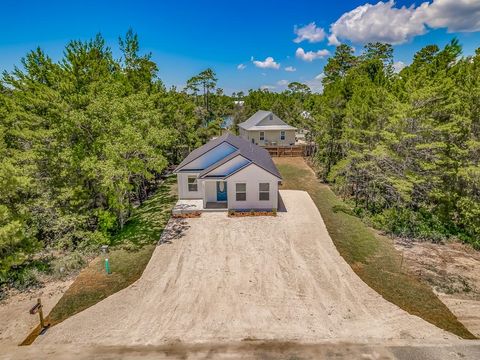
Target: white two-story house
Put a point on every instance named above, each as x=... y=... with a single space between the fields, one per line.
x=264 y=128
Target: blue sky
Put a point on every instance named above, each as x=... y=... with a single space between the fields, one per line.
x=185 y=37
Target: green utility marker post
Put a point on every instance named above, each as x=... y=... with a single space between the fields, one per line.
x=107 y=263
x=107 y=266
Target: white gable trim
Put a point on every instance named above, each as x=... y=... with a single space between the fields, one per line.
x=249 y=164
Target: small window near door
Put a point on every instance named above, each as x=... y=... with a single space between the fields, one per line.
x=192 y=184
x=241 y=192
x=253 y=141
x=264 y=191
x=262 y=135
x=282 y=135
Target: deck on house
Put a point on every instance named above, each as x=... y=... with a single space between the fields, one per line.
x=292 y=151
x=185 y=206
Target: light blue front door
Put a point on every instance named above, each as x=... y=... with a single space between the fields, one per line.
x=221 y=191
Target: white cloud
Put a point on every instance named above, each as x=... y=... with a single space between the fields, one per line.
x=380 y=22
x=268 y=63
x=309 y=32
x=283 y=82
x=385 y=22
x=241 y=66
x=398 y=66
x=311 y=55
x=267 y=87
x=455 y=15
x=290 y=69
x=332 y=40
x=315 y=84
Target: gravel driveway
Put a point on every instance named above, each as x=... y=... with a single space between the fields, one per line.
x=222 y=279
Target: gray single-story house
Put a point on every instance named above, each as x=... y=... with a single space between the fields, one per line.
x=227 y=173
x=264 y=128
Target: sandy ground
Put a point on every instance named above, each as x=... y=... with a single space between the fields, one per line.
x=466 y=311
x=453 y=270
x=14 y=311
x=219 y=279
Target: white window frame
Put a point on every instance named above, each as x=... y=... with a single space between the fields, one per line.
x=262 y=135
x=263 y=192
x=237 y=192
x=282 y=135
x=194 y=183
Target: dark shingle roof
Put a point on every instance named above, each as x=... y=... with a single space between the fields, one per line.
x=195 y=154
x=252 y=152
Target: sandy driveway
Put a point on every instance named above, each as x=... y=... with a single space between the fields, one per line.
x=230 y=279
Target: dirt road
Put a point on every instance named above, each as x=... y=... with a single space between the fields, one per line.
x=220 y=279
x=338 y=350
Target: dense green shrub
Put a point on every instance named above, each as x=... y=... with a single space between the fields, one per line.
x=403 y=149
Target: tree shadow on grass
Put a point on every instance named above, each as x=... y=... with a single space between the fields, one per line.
x=148 y=221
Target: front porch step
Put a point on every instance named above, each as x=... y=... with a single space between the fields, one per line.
x=185 y=206
x=214 y=210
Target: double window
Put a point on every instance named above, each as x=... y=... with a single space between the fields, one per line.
x=241 y=192
x=264 y=191
x=262 y=135
x=192 y=184
x=282 y=135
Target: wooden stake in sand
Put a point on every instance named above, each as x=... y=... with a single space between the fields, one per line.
x=38 y=308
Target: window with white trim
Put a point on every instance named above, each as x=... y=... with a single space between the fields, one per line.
x=241 y=192
x=262 y=135
x=282 y=135
x=192 y=183
x=264 y=191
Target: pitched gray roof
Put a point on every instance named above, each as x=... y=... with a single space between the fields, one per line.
x=252 y=123
x=195 y=154
x=252 y=152
x=219 y=163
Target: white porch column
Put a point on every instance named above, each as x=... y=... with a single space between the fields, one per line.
x=204 y=194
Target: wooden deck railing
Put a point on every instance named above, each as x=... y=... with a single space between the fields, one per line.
x=295 y=150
